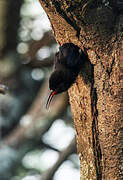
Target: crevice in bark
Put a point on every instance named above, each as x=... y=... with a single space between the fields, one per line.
x=95 y=136
x=109 y=70
x=62 y=13
x=46 y=3
x=87 y=67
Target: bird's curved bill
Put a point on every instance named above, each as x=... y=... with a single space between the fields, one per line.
x=52 y=93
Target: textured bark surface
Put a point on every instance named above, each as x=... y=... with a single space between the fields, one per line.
x=96 y=96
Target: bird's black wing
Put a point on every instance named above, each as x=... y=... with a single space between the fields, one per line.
x=71 y=54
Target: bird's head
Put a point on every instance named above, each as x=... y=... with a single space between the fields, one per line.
x=59 y=82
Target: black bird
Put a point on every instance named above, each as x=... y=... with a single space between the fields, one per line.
x=67 y=64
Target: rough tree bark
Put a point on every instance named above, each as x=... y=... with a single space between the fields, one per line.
x=95 y=97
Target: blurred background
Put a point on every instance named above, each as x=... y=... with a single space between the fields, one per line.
x=35 y=143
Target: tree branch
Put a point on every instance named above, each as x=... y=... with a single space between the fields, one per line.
x=38 y=119
x=62 y=157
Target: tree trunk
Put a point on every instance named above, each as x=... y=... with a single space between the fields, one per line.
x=95 y=97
